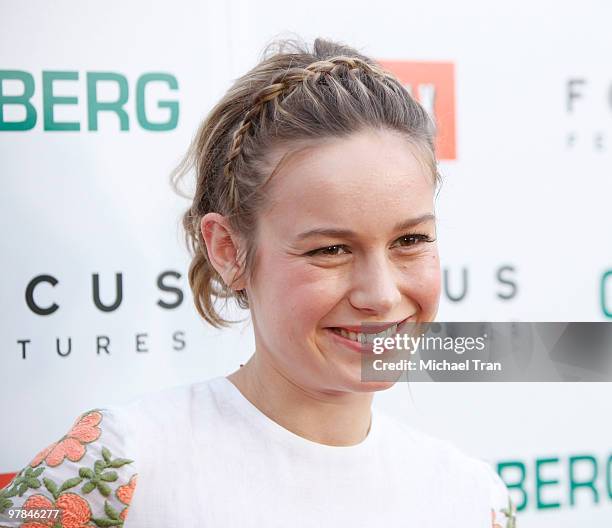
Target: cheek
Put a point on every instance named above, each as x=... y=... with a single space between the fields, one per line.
x=296 y=295
x=312 y=294
x=424 y=283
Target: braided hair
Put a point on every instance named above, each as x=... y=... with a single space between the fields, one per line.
x=293 y=96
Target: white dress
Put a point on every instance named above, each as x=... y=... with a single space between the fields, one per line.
x=202 y=455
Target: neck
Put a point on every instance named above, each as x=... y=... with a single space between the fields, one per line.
x=331 y=418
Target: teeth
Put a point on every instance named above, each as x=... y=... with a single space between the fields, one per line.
x=362 y=338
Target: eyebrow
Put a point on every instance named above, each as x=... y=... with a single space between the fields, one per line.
x=347 y=233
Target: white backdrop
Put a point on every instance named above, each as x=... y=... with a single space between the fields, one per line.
x=530 y=188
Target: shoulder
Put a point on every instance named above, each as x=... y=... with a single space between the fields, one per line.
x=87 y=474
x=455 y=467
x=92 y=471
x=163 y=408
x=412 y=440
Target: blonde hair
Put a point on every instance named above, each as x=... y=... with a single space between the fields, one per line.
x=292 y=95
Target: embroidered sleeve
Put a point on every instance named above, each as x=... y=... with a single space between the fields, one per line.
x=503 y=511
x=86 y=475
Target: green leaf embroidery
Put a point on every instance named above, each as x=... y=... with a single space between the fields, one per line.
x=107 y=522
x=51 y=486
x=37 y=472
x=88 y=487
x=33 y=482
x=22 y=481
x=70 y=483
x=104 y=489
x=99 y=465
x=5 y=503
x=86 y=473
x=118 y=462
x=110 y=511
x=9 y=493
x=510 y=513
x=106 y=454
x=109 y=476
x=98 y=477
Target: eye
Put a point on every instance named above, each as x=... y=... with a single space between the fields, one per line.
x=326 y=251
x=412 y=239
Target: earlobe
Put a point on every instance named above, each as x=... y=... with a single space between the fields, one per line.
x=222 y=248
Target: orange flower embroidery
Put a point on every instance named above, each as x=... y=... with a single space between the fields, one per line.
x=494 y=523
x=75 y=511
x=125 y=493
x=84 y=430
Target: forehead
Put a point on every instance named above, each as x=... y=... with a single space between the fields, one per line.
x=372 y=176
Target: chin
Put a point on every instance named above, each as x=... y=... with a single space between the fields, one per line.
x=371 y=386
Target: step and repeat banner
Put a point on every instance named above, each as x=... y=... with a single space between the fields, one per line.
x=98 y=102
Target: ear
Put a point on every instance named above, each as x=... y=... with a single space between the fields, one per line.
x=222 y=248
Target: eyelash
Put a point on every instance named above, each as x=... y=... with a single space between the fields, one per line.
x=419 y=236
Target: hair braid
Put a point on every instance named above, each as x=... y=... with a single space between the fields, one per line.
x=282 y=87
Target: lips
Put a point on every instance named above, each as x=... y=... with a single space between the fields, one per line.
x=361 y=339
x=355 y=346
x=370 y=328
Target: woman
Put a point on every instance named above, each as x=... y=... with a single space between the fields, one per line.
x=314 y=209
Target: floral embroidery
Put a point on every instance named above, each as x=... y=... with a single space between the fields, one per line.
x=101 y=479
x=509 y=513
x=125 y=493
x=8 y=492
x=84 y=430
x=22 y=481
x=75 y=511
x=98 y=478
x=494 y=524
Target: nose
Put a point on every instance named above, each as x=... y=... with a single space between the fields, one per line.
x=375 y=286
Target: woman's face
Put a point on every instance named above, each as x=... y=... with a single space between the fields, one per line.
x=347 y=239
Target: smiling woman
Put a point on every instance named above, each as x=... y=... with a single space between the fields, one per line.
x=334 y=258
x=314 y=209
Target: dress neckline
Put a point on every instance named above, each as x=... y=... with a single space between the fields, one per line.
x=250 y=412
